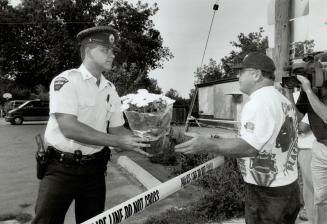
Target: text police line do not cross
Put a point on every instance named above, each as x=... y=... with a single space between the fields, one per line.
x=138 y=203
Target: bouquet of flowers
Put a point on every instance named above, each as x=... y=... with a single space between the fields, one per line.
x=149 y=116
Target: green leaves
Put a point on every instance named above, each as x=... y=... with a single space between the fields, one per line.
x=40 y=40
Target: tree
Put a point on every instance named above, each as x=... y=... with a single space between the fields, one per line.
x=173 y=94
x=208 y=73
x=130 y=78
x=40 y=40
x=254 y=41
x=141 y=47
x=302 y=48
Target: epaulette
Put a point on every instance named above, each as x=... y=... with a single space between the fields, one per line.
x=73 y=71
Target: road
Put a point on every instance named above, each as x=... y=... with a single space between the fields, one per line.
x=19 y=185
x=18 y=182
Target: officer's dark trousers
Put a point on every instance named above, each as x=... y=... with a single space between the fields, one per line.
x=64 y=183
x=272 y=205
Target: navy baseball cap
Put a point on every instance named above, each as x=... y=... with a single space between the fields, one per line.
x=257 y=60
x=103 y=35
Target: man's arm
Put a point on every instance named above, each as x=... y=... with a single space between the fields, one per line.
x=75 y=130
x=289 y=95
x=319 y=108
x=231 y=147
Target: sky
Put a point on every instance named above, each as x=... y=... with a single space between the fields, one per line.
x=184 y=27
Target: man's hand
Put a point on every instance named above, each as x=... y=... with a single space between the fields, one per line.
x=195 y=145
x=306 y=85
x=128 y=142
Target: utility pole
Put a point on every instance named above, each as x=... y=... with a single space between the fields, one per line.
x=282 y=37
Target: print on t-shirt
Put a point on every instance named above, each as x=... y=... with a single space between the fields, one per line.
x=263 y=168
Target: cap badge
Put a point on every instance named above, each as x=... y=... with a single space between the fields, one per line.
x=111 y=38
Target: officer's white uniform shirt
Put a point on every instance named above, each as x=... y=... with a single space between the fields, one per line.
x=268 y=123
x=75 y=92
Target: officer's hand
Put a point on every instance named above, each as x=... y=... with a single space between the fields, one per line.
x=195 y=145
x=129 y=142
x=306 y=85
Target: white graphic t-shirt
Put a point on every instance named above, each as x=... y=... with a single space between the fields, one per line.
x=268 y=123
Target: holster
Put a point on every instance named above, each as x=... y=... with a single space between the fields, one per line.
x=42 y=157
x=106 y=157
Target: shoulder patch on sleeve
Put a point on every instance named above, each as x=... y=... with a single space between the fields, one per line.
x=59 y=82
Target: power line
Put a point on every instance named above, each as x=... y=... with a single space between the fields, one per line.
x=215 y=8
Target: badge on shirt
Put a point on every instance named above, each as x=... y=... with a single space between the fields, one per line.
x=59 y=82
x=249 y=126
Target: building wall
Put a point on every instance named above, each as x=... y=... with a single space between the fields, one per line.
x=214 y=101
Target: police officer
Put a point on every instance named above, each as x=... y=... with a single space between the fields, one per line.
x=82 y=104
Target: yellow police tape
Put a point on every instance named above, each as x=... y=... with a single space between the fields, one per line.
x=138 y=203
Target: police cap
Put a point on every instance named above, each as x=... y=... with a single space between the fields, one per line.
x=103 y=35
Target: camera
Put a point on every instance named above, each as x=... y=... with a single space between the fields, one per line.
x=313 y=66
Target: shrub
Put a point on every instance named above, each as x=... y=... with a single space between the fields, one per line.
x=225 y=186
x=226 y=192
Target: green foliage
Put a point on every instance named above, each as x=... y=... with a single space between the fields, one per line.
x=225 y=186
x=224 y=200
x=226 y=192
x=254 y=41
x=173 y=94
x=129 y=78
x=140 y=42
x=20 y=94
x=40 y=93
x=301 y=48
x=208 y=73
x=40 y=40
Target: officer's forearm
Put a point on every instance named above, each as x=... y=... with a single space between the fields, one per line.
x=120 y=131
x=77 y=131
x=319 y=108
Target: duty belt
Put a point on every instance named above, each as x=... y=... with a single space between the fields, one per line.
x=74 y=158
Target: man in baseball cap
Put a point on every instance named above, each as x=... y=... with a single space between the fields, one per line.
x=266 y=150
x=255 y=61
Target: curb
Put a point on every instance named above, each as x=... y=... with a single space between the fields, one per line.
x=138 y=172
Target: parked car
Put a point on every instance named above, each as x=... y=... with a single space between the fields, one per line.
x=12 y=104
x=31 y=110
